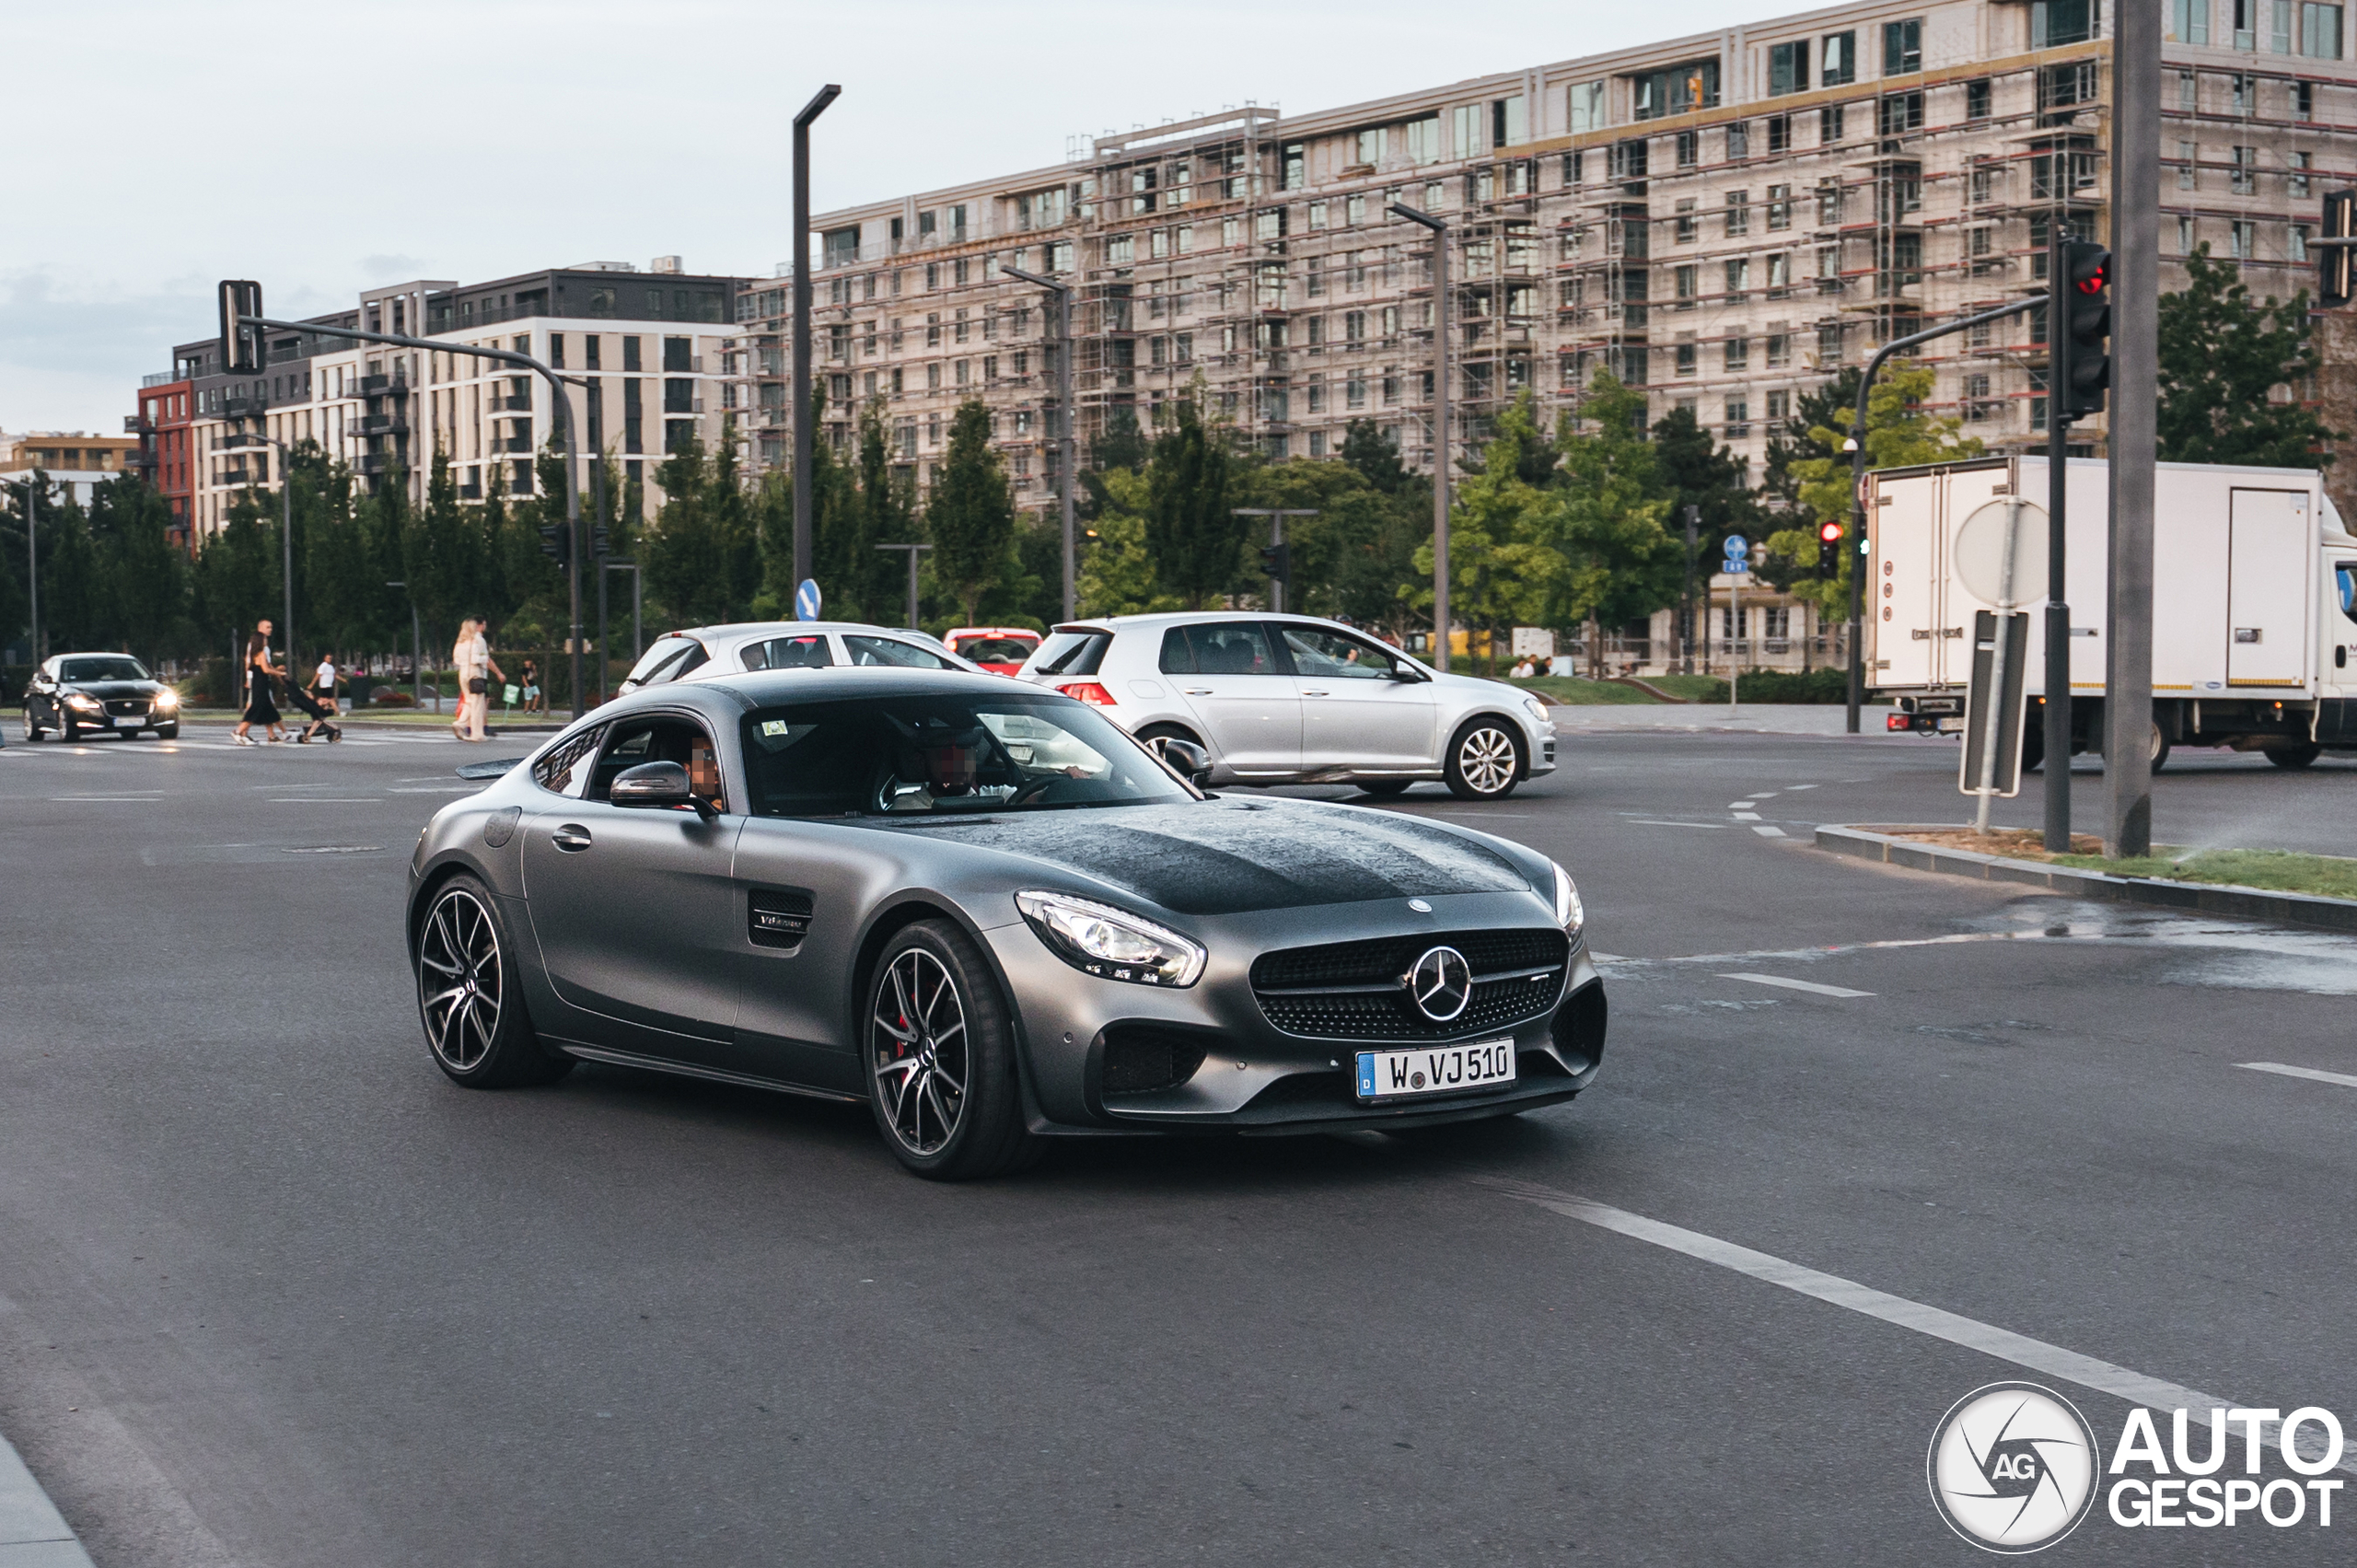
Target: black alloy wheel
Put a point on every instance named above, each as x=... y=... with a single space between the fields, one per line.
x=1484 y=760
x=941 y=1067
x=468 y=998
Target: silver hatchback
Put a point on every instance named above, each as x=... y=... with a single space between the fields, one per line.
x=1296 y=699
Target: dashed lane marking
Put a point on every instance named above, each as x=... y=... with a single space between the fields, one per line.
x=1767 y=830
x=2345 y=1080
x=2086 y=1371
x=1811 y=987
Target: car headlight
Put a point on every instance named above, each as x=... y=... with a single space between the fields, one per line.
x=1570 y=913
x=80 y=700
x=1535 y=709
x=168 y=698
x=1112 y=944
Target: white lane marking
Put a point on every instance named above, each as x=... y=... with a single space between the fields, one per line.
x=2343 y=1079
x=1800 y=786
x=444 y=789
x=140 y=799
x=1768 y=831
x=1650 y=822
x=1811 y=987
x=1738 y=804
x=2103 y=1377
x=325 y=800
x=1747 y=815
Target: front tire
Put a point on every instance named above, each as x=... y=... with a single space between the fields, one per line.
x=167 y=732
x=1154 y=735
x=1484 y=760
x=67 y=730
x=1384 y=787
x=471 y=998
x=940 y=1049
x=2295 y=756
x=33 y=732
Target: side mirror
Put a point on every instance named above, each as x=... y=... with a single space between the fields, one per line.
x=1407 y=674
x=1189 y=760
x=663 y=785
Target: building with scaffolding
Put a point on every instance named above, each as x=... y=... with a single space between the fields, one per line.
x=1723 y=220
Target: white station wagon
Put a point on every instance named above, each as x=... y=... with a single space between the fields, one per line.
x=1296 y=699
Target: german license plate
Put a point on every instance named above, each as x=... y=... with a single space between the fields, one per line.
x=1435 y=1070
x=129 y=721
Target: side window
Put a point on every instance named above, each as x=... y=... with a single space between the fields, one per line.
x=790 y=652
x=2348 y=575
x=668 y=659
x=661 y=739
x=566 y=769
x=1232 y=648
x=1331 y=657
x=892 y=651
x=1178 y=658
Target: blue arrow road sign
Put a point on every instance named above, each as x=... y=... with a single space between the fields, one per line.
x=805 y=600
x=1736 y=545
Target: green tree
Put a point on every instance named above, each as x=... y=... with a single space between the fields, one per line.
x=142 y=577
x=1703 y=474
x=1619 y=562
x=1500 y=563
x=1117 y=571
x=970 y=514
x=1831 y=405
x=236 y=573
x=1192 y=536
x=1367 y=449
x=702 y=557
x=2222 y=355
x=1899 y=435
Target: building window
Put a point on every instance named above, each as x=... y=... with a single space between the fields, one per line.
x=1829 y=343
x=1779 y=132
x=1678 y=90
x=1840 y=60
x=1902 y=47
x=2298 y=179
x=1779 y=206
x=2297 y=248
x=1587 y=105
x=2243 y=179
x=2303 y=100
x=1738 y=275
x=2185 y=235
x=2053 y=22
x=1737 y=353
x=1738 y=419
x=1829 y=125
x=1780 y=354
x=2244 y=245
x=1739 y=214
x=1780 y=274
x=1687 y=355
x=1740 y=139
x=1901 y=113
x=2190 y=21
x=1689 y=148
x=1683 y=281
x=1787 y=68
x=2188 y=167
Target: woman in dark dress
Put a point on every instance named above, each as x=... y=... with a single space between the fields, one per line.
x=261 y=707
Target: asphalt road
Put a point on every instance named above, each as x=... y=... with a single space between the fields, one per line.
x=272 y=1292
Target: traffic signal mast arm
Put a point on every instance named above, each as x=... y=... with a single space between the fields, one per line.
x=1858 y=481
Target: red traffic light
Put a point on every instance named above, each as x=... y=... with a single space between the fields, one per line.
x=2090 y=267
x=2095 y=282
x=1829 y=533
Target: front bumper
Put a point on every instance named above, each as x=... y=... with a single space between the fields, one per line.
x=1252 y=1076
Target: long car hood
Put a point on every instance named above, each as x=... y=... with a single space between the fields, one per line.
x=1232 y=857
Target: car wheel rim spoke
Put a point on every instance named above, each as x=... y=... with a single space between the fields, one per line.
x=916 y=1049
x=462 y=946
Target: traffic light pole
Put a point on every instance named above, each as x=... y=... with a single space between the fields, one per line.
x=2135 y=434
x=914 y=550
x=2056 y=712
x=1275 y=560
x=1858 y=488
x=802 y=433
x=563 y=416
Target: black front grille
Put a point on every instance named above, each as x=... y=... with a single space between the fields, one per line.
x=1353 y=990
x=1142 y=1058
x=125 y=705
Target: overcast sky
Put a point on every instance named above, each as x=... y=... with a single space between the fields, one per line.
x=322 y=148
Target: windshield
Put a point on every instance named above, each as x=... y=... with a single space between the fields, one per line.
x=944 y=755
x=114 y=667
x=668 y=659
x=995 y=650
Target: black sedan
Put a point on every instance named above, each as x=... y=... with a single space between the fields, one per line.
x=101 y=693
x=989 y=914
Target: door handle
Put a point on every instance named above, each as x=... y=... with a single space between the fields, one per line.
x=1319 y=692
x=1196 y=691
x=572 y=838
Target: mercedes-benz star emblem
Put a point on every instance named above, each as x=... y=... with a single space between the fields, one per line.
x=1420 y=906
x=1441 y=983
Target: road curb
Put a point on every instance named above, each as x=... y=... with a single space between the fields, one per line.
x=2201 y=898
x=33 y=1534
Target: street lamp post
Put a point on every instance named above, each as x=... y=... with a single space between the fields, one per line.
x=416 y=658
x=914 y=550
x=563 y=412
x=1069 y=459
x=1439 y=228
x=802 y=431
x=33 y=482
x=635 y=623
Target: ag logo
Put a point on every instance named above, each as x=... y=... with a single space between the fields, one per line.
x=1441 y=983
x=2013 y=1467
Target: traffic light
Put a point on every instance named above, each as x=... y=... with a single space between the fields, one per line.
x=1828 y=549
x=2336 y=268
x=2082 y=325
x=600 y=545
x=556 y=543
x=1276 y=560
x=241 y=333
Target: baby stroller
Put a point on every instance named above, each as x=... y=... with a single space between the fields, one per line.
x=322 y=717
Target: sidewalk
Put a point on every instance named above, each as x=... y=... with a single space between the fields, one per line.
x=1793 y=718
x=32 y=1533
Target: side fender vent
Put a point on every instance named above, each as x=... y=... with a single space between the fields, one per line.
x=778 y=917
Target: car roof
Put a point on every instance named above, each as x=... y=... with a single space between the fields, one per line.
x=1201 y=618
x=991 y=631
x=742 y=691
x=732 y=629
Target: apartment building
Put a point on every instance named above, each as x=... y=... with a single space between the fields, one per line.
x=646 y=350
x=73 y=461
x=1723 y=220
x=167 y=455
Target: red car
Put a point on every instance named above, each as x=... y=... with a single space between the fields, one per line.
x=999 y=649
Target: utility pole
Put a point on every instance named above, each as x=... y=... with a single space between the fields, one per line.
x=2055 y=716
x=1693 y=526
x=598 y=535
x=1439 y=228
x=2135 y=370
x=802 y=431
x=1068 y=462
x=914 y=550
x=33 y=485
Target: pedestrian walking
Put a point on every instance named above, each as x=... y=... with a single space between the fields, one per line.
x=262 y=680
x=472 y=657
x=323 y=682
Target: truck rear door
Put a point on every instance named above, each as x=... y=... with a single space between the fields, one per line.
x=2268 y=588
x=1902 y=594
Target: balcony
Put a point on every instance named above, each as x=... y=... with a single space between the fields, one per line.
x=235 y=476
x=522 y=444
x=244 y=408
x=159 y=379
x=380 y=387
x=134 y=425
x=518 y=403
x=377 y=423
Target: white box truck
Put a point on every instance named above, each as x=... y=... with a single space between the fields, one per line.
x=2254 y=602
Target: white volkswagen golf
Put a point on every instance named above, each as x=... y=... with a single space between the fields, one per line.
x=1293 y=698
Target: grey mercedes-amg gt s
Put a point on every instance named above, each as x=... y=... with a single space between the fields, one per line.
x=984 y=909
